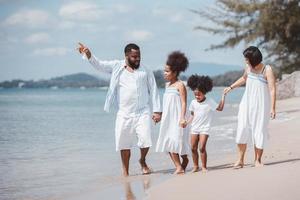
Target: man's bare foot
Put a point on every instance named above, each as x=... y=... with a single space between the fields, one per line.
x=195 y=169
x=238 y=165
x=179 y=171
x=204 y=170
x=258 y=164
x=125 y=174
x=184 y=164
x=145 y=168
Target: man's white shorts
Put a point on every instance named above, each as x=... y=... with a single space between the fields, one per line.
x=133 y=131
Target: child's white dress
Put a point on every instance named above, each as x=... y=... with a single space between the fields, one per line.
x=254 y=111
x=172 y=138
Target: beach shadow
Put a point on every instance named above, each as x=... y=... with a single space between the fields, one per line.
x=283 y=161
x=289 y=111
x=164 y=171
x=219 y=167
x=230 y=165
x=224 y=166
x=210 y=168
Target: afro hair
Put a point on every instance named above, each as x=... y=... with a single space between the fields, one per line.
x=201 y=83
x=177 y=61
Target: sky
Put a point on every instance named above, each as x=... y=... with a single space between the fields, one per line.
x=39 y=38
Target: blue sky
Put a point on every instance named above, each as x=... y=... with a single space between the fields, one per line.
x=38 y=38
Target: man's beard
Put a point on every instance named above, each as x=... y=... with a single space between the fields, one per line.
x=133 y=64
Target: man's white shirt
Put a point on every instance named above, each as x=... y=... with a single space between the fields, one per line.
x=134 y=92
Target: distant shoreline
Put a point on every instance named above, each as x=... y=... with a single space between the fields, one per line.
x=83 y=80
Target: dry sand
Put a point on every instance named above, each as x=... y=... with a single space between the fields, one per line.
x=278 y=179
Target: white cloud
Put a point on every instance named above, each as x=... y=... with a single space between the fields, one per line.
x=171 y=15
x=37 y=38
x=139 y=35
x=30 y=18
x=83 y=11
x=55 y=51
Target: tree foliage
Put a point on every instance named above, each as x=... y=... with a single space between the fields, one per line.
x=273 y=25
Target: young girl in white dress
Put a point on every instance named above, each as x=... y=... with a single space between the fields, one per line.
x=173 y=137
x=257 y=105
x=201 y=108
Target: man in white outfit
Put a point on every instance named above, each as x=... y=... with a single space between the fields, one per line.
x=133 y=91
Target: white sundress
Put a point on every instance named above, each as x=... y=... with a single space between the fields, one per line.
x=254 y=111
x=172 y=138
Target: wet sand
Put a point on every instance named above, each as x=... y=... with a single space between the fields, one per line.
x=278 y=179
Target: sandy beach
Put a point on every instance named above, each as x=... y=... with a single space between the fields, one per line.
x=278 y=179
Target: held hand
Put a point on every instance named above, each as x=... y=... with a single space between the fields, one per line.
x=183 y=123
x=226 y=90
x=273 y=114
x=156 y=117
x=84 y=49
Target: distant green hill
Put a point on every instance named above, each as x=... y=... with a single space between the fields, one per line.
x=222 y=75
x=88 y=81
x=220 y=80
x=210 y=69
x=228 y=78
x=74 y=81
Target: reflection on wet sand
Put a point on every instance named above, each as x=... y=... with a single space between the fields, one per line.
x=129 y=194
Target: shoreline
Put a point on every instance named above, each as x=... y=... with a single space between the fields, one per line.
x=278 y=179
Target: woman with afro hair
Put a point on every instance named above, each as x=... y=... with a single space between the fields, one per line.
x=201 y=109
x=173 y=137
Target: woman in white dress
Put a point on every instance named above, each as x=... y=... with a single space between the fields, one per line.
x=257 y=105
x=173 y=137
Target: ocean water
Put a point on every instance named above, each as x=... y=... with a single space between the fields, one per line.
x=59 y=144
